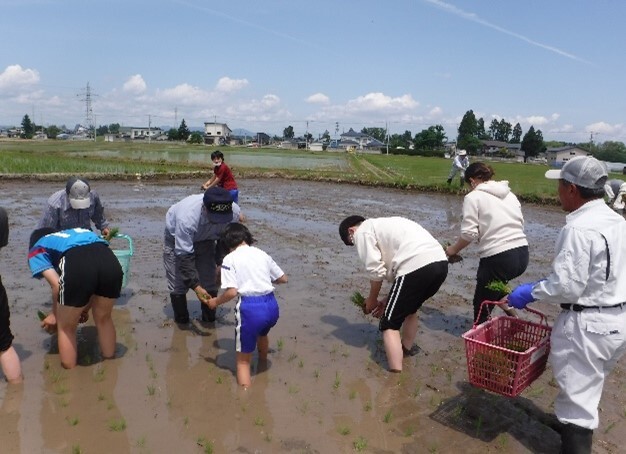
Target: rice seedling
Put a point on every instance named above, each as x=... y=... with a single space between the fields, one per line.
x=502 y=441
x=60 y=388
x=76 y=449
x=337 y=382
x=358 y=300
x=292 y=357
x=101 y=397
x=360 y=444
x=99 y=375
x=117 y=425
x=206 y=445
x=141 y=442
x=316 y=374
x=280 y=343
x=300 y=364
x=609 y=427
x=186 y=421
x=352 y=395
x=219 y=380
x=343 y=430
x=259 y=421
x=293 y=389
x=499 y=287
x=72 y=421
x=267 y=437
x=388 y=416
x=409 y=431
x=368 y=406
x=151 y=390
x=63 y=402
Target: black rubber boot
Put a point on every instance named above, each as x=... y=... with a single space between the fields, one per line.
x=449 y=180
x=576 y=439
x=179 y=305
x=208 y=314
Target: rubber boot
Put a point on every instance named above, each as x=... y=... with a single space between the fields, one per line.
x=179 y=305
x=576 y=439
x=208 y=314
x=449 y=180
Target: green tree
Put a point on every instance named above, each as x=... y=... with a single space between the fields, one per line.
x=611 y=151
x=376 y=133
x=532 y=143
x=482 y=134
x=195 y=137
x=430 y=139
x=500 y=130
x=326 y=136
x=172 y=134
x=517 y=134
x=53 y=131
x=288 y=132
x=470 y=133
x=102 y=130
x=493 y=128
x=183 y=131
x=114 y=128
x=28 y=128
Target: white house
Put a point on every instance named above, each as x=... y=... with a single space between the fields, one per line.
x=216 y=133
x=139 y=133
x=558 y=156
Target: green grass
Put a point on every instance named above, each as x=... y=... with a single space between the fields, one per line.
x=126 y=159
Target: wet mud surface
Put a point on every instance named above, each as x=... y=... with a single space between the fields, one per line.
x=326 y=388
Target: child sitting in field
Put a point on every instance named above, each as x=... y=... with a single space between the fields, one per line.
x=249 y=272
x=222 y=176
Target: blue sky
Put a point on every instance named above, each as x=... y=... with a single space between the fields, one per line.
x=558 y=65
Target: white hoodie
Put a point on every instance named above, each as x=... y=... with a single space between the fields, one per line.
x=492 y=216
x=395 y=246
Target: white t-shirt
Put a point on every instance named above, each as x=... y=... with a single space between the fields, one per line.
x=250 y=270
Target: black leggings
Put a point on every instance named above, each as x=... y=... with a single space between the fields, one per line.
x=503 y=267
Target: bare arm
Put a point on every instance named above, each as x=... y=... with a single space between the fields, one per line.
x=457 y=247
x=281 y=280
x=228 y=295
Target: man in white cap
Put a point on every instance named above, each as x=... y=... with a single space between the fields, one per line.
x=75 y=206
x=460 y=163
x=615 y=191
x=588 y=336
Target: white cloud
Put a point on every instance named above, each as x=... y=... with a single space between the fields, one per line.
x=602 y=127
x=135 y=84
x=228 y=85
x=15 y=77
x=318 y=98
x=435 y=112
x=380 y=102
x=184 y=94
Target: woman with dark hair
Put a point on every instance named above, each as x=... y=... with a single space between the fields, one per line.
x=492 y=216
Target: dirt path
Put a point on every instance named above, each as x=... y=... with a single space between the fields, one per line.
x=326 y=389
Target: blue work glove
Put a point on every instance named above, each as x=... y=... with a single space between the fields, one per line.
x=522 y=295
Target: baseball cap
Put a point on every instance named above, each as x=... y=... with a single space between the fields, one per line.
x=584 y=171
x=78 y=193
x=462 y=152
x=219 y=204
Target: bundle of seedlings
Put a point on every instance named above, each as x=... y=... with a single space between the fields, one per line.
x=358 y=300
x=112 y=232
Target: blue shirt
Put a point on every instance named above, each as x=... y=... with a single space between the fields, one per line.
x=47 y=252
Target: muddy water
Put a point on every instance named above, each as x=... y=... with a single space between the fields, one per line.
x=325 y=389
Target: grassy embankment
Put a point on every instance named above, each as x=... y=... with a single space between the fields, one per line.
x=49 y=159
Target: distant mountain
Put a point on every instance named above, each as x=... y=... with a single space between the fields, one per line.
x=240 y=132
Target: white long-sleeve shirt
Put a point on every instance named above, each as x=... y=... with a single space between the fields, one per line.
x=492 y=216
x=592 y=244
x=395 y=246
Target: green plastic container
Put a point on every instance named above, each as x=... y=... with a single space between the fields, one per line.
x=124 y=255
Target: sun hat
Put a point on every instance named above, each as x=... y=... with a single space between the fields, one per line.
x=584 y=171
x=78 y=193
x=462 y=152
x=219 y=204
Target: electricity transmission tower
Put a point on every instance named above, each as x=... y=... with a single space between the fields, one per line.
x=86 y=97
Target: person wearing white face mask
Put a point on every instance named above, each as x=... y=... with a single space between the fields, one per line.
x=222 y=176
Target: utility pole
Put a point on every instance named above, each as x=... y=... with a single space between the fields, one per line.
x=306 y=137
x=149 y=124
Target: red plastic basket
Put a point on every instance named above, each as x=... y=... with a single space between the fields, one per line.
x=506 y=354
